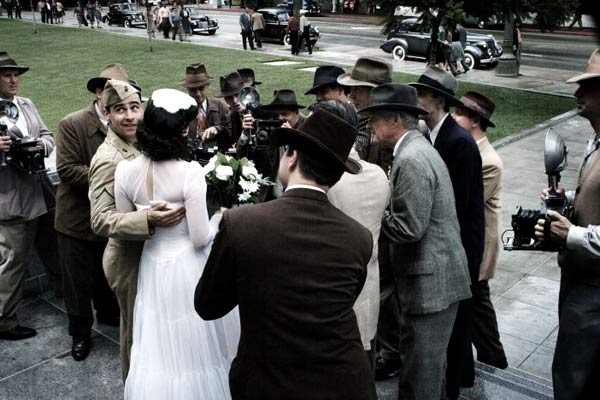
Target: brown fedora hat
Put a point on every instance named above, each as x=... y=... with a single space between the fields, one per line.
x=284 y=99
x=480 y=105
x=440 y=81
x=6 y=62
x=231 y=85
x=195 y=76
x=248 y=77
x=368 y=71
x=394 y=96
x=328 y=133
x=592 y=70
x=110 y=71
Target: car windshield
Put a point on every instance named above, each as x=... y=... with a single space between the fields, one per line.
x=283 y=17
x=193 y=11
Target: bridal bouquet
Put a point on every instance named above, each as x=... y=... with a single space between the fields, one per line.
x=234 y=181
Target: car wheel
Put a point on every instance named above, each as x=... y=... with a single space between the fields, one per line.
x=399 y=52
x=126 y=23
x=105 y=20
x=212 y=31
x=470 y=60
x=286 y=40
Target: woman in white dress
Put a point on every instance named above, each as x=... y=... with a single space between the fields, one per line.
x=175 y=354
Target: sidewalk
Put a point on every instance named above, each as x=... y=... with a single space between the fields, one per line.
x=524 y=291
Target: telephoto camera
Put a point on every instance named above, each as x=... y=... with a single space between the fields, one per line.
x=24 y=154
x=524 y=220
x=260 y=136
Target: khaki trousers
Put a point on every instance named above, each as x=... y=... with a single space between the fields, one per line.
x=121 y=263
x=16 y=243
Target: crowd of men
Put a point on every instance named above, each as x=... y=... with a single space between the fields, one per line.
x=401 y=202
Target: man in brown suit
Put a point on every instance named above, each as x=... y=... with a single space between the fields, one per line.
x=213 y=121
x=126 y=231
x=474 y=116
x=79 y=135
x=295 y=265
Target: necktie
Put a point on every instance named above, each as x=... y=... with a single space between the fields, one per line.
x=201 y=121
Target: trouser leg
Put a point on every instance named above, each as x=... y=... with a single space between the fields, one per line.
x=258 y=37
x=388 y=325
x=307 y=40
x=461 y=368
x=576 y=366
x=16 y=242
x=485 y=335
x=423 y=343
x=46 y=245
x=81 y=261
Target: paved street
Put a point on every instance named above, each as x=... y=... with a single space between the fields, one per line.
x=524 y=291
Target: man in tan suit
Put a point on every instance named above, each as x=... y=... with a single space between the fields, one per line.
x=79 y=136
x=474 y=116
x=126 y=231
x=258 y=26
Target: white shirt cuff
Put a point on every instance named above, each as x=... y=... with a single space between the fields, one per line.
x=576 y=237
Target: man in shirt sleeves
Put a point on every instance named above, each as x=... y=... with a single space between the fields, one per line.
x=299 y=339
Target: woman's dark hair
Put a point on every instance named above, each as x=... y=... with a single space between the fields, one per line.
x=161 y=135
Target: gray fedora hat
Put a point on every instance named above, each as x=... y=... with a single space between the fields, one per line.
x=6 y=62
x=367 y=71
x=479 y=104
x=439 y=81
x=394 y=96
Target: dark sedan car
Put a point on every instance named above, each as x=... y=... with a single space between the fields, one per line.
x=124 y=14
x=276 y=21
x=409 y=40
x=201 y=23
x=310 y=6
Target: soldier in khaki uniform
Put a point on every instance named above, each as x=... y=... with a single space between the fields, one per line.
x=126 y=231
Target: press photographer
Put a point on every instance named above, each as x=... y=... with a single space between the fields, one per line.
x=26 y=202
x=576 y=365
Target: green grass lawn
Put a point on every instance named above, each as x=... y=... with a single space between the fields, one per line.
x=63 y=59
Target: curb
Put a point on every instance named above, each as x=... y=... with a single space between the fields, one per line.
x=498 y=144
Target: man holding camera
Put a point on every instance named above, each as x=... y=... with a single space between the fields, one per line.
x=213 y=121
x=576 y=365
x=26 y=206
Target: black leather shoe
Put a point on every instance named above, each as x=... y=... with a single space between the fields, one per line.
x=18 y=333
x=112 y=320
x=81 y=348
x=386 y=368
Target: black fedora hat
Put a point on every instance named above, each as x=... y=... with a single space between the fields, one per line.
x=440 y=81
x=328 y=133
x=6 y=62
x=248 y=76
x=325 y=76
x=284 y=99
x=231 y=85
x=481 y=105
x=394 y=96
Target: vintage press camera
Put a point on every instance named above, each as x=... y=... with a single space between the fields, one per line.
x=24 y=153
x=524 y=220
x=260 y=136
x=202 y=151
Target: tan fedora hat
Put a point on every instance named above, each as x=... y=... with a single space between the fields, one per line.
x=110 y=71
x=592 y=70
x=195 y=76
x=480 y=105
x=367 y=71
x=6 y=62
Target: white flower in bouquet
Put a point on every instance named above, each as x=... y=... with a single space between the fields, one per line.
x=210 y=166
x=223 y=172
x=250 y=171
x=249 y=186
x=244 y=197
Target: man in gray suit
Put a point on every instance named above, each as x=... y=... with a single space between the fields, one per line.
x=26 y=206
x=426 y=255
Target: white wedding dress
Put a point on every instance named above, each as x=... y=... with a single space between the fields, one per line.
x=175 y=355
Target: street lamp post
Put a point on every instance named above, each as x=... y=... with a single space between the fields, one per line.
x=507 y=63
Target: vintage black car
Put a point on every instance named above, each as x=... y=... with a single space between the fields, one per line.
x=311 y=7
x=276 y=21
x=201 y=23
x=410 y=40
x=124 y=14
